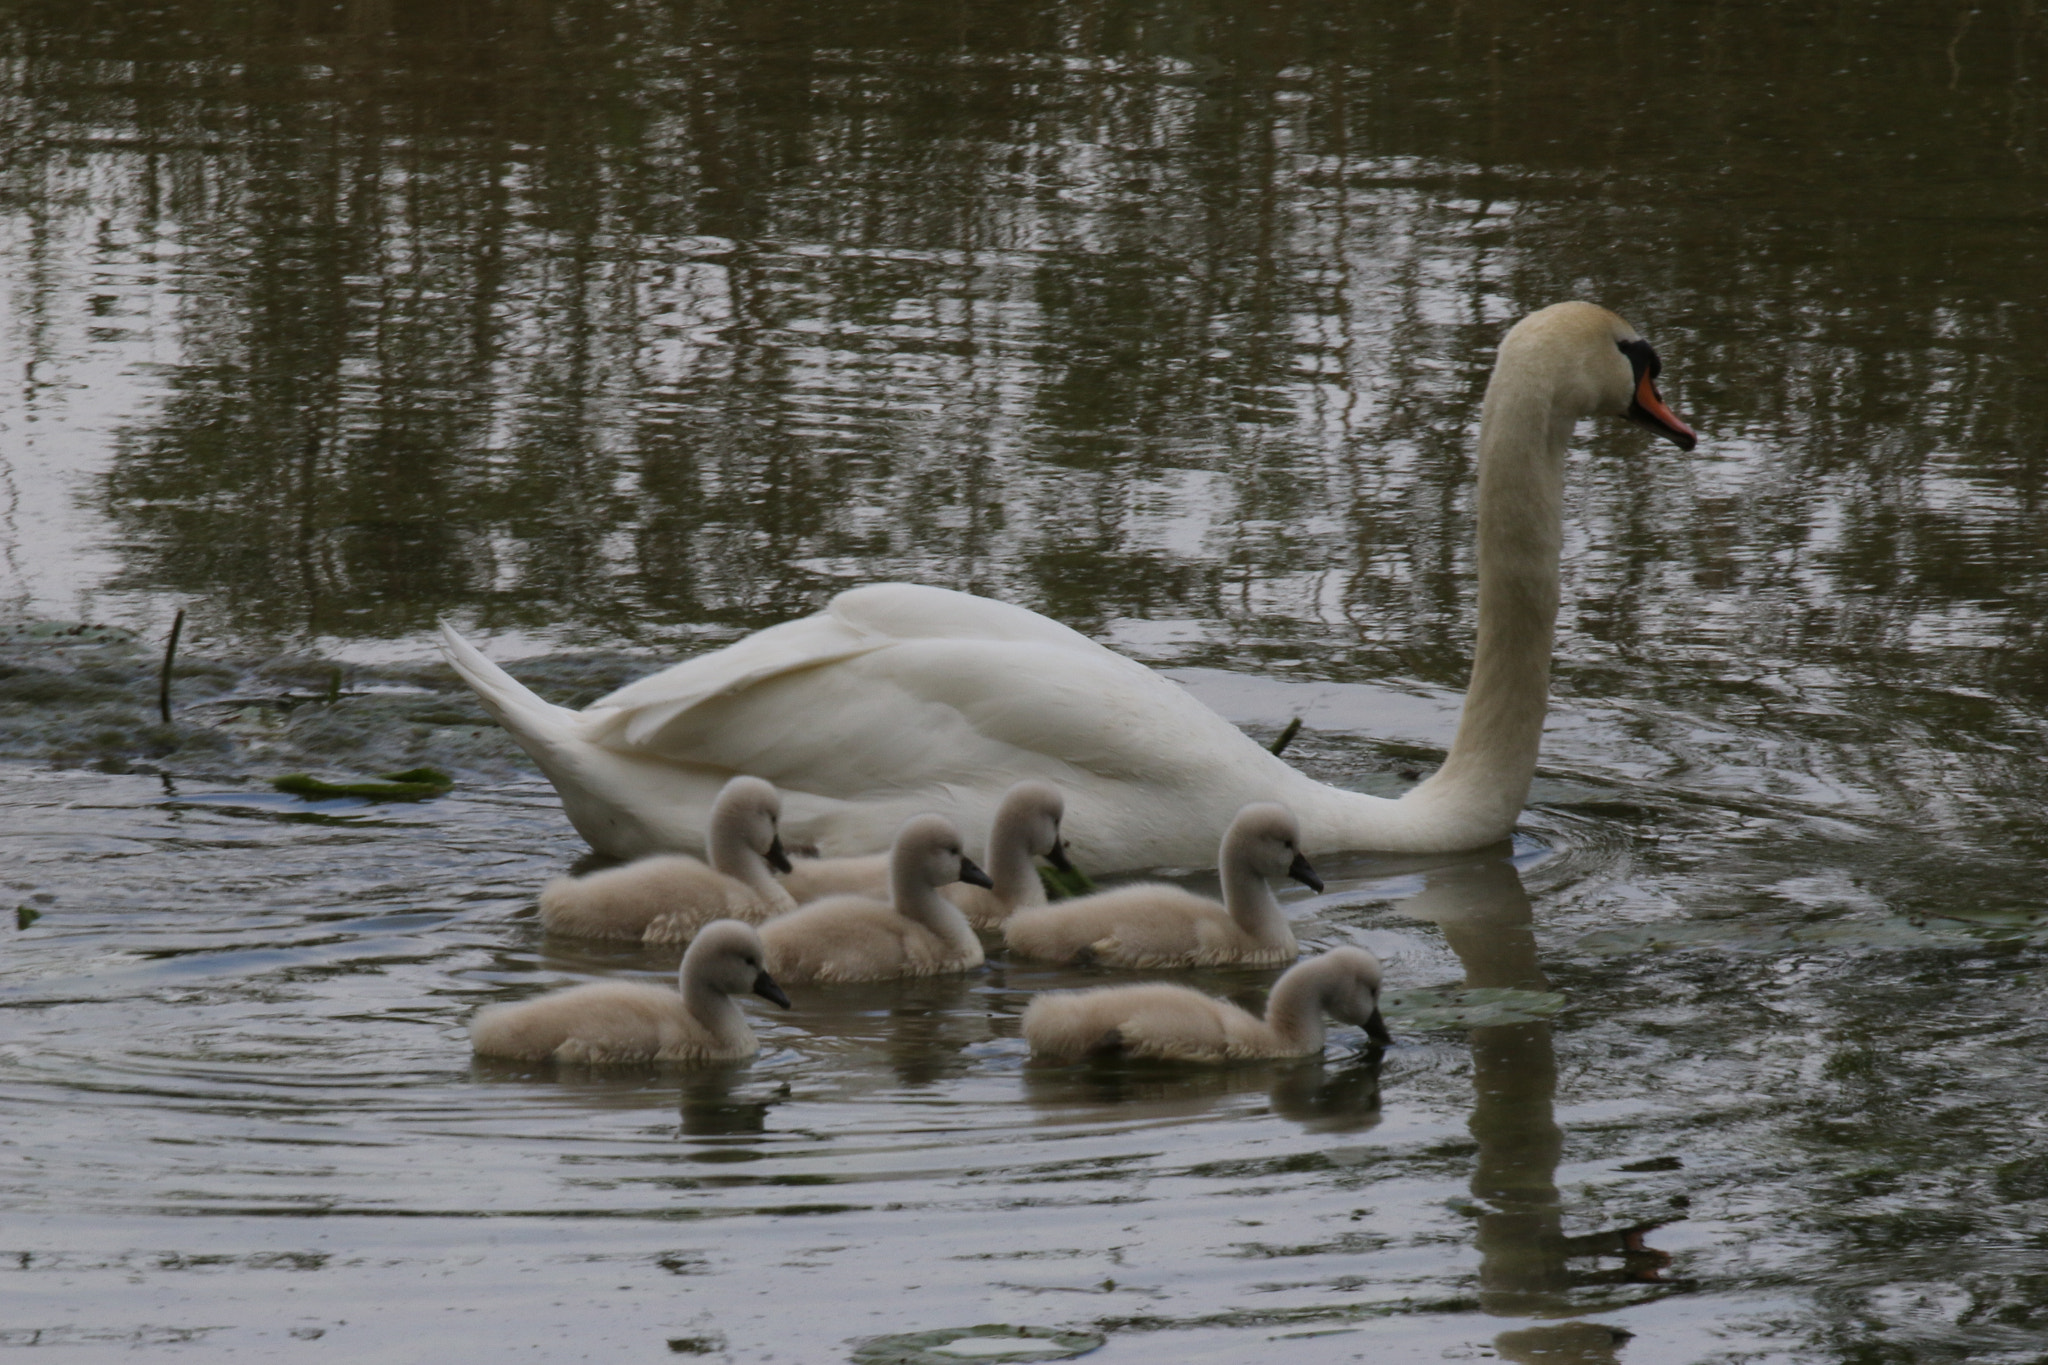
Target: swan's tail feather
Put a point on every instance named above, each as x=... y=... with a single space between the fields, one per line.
x=515 y=707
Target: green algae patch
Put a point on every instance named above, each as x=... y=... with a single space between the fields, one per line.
x=414 y=784
x=1065 y=885
x=1479 y=1007
x=988 y=1341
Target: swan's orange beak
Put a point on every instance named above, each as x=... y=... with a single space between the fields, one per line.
x=1650 y=410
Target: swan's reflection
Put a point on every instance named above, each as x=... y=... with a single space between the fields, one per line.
x=1484 y=912
x=1340 y=1095
x=727 y=1101
x=920 y=1027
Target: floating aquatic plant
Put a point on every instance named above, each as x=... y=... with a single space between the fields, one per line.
x=988 y=1341
x=1479 y=1007
x=414 y=784
x=1065 y=885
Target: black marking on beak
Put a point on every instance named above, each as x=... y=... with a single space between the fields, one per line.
x=1057 y=856
x=1647 y=408
x=973 y=875
x=1376 y=1028
x=777 y=858
x=1303 y=873
x=765 y=987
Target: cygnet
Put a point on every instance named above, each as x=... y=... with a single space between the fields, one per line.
x=1026 y=827
x=665 y=898
x=858 y=938
x=611 y=1022
x=1176 y=1024
x=1156 y=924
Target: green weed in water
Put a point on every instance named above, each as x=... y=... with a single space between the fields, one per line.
x=414 y=784
x=24 y=916
x=1061 y=886
x=985 y=1341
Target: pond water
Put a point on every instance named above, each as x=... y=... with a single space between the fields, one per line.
x=612 y=331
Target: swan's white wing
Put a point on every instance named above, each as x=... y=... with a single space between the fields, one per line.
x=906 y=715
x=639 y=715
x=906 y=611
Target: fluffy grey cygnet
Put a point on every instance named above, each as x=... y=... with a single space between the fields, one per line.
x=666 y=898
x=627 y=1021
x=1026 y=827
x=1157 y=924
x=917 y=932
x=1176 y=1024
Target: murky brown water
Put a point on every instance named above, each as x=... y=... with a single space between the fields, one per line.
x=615 y=330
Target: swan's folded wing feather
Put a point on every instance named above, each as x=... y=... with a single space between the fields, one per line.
x=1069 y=707
x=635 y=716
x=908 y=611
x=931 y=684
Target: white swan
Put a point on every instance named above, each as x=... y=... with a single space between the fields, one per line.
x=917 y=932
x=1176 y=1024
x=1157 y=924
x=898 y=699
x=610 y=1022
x=667 y=897
x=1027 y=826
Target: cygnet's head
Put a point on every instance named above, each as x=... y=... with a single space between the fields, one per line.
x=751 y=810
x=726 y=956
x=1265 y=839
x=1596 y=363
x=1037 y=808
x=929 y=846
x=1352 y=993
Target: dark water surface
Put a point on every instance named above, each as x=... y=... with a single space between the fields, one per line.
x=616 y=330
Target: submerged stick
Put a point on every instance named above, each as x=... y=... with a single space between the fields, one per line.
x=163 y=681
x=1286 y=736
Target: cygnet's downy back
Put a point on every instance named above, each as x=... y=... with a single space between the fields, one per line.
x=615 y=1022
x=1173 y=1023
x=1157 y=924
x=666 y=897
x=918 y=932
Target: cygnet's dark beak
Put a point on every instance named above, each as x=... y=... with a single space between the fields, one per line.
x=765 y=987
x=974 y=876
x=1057 y=856
x=1376 y=1028
x=1303 y=873
x=777 y=859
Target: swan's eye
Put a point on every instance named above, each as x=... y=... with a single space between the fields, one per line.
x=1641 y=358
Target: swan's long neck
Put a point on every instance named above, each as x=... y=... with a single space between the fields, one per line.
x=1294 y=1011
x=1010 y=863
x=733 y=853
x=917 y=899
x=1251 y=902
x=713 y=1008
x=1523 y=436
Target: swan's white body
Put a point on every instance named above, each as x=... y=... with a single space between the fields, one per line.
x=1176 y=1024
x=899 y=699
x=616 y=1022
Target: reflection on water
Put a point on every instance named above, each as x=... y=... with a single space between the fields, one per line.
x=1524 y=1252
x=1323 y=1095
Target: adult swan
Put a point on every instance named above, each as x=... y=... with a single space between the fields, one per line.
x=896 y=700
